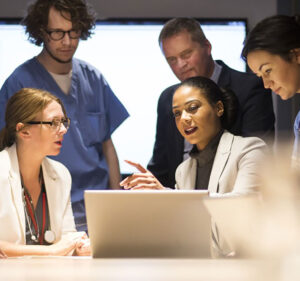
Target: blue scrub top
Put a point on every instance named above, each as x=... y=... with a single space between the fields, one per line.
x=95 y=112
x=296 y=150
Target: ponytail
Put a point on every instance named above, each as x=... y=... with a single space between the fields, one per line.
x=231 y=104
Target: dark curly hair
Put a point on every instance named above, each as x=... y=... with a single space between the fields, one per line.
x=36 y=20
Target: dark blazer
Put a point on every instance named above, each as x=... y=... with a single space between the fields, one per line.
x=255 y=118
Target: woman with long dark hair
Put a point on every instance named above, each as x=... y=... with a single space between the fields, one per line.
x=272 y=51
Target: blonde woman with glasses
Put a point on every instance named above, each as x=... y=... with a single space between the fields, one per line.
x=35 y=210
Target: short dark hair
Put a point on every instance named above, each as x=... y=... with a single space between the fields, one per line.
x=277 y=35
x=36 y=20
x=213 y=93
x=177 y=25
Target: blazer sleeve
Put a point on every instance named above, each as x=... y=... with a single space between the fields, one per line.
x=68 y=224
x=186 y=174
x=58 y=185
x=68 y=220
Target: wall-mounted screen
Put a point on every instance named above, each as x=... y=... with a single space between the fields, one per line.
x=127 y=53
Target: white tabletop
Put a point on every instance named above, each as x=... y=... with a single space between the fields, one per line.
x=86 y=269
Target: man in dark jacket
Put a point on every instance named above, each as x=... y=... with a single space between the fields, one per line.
x=188 y=53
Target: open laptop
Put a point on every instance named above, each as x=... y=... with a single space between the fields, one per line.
x=165 y=224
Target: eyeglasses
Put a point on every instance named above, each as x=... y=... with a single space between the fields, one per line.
x=55 y=123
x=59 y=34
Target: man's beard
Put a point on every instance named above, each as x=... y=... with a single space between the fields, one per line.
x=56 y=58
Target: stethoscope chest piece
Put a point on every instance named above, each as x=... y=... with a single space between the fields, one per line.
x=33 y=238
x=49 y=236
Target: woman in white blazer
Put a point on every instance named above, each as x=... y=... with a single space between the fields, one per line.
x=35 y=210
x=219 y=161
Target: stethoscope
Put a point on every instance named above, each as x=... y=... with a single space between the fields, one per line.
x=48 y=235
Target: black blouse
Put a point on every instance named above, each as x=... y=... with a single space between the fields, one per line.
x=205 y=159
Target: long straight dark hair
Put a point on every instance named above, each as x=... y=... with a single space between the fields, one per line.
x=278 y=35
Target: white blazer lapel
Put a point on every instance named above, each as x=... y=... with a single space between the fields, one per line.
x=220 y=161
x=16 y=187
x=186 y=175
x=191 y=178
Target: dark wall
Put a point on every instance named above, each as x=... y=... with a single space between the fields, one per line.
x=254 y=10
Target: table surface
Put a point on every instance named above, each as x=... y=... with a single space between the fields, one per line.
x=86 y=269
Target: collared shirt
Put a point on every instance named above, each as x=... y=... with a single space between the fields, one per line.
x=215 y=77
x=205 y=160
x=95 y=112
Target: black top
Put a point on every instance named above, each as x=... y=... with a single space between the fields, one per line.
x=205 y=160
x=38 y=213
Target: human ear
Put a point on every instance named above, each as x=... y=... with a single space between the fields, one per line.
x=207 y=44
x=219 y=108
x=22 y=131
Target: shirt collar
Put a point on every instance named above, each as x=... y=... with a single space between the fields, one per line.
x=216 y=73
x=211 y=146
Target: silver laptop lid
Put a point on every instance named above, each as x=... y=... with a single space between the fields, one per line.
x=148 y=223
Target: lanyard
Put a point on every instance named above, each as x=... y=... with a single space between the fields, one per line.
x=31 y=212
